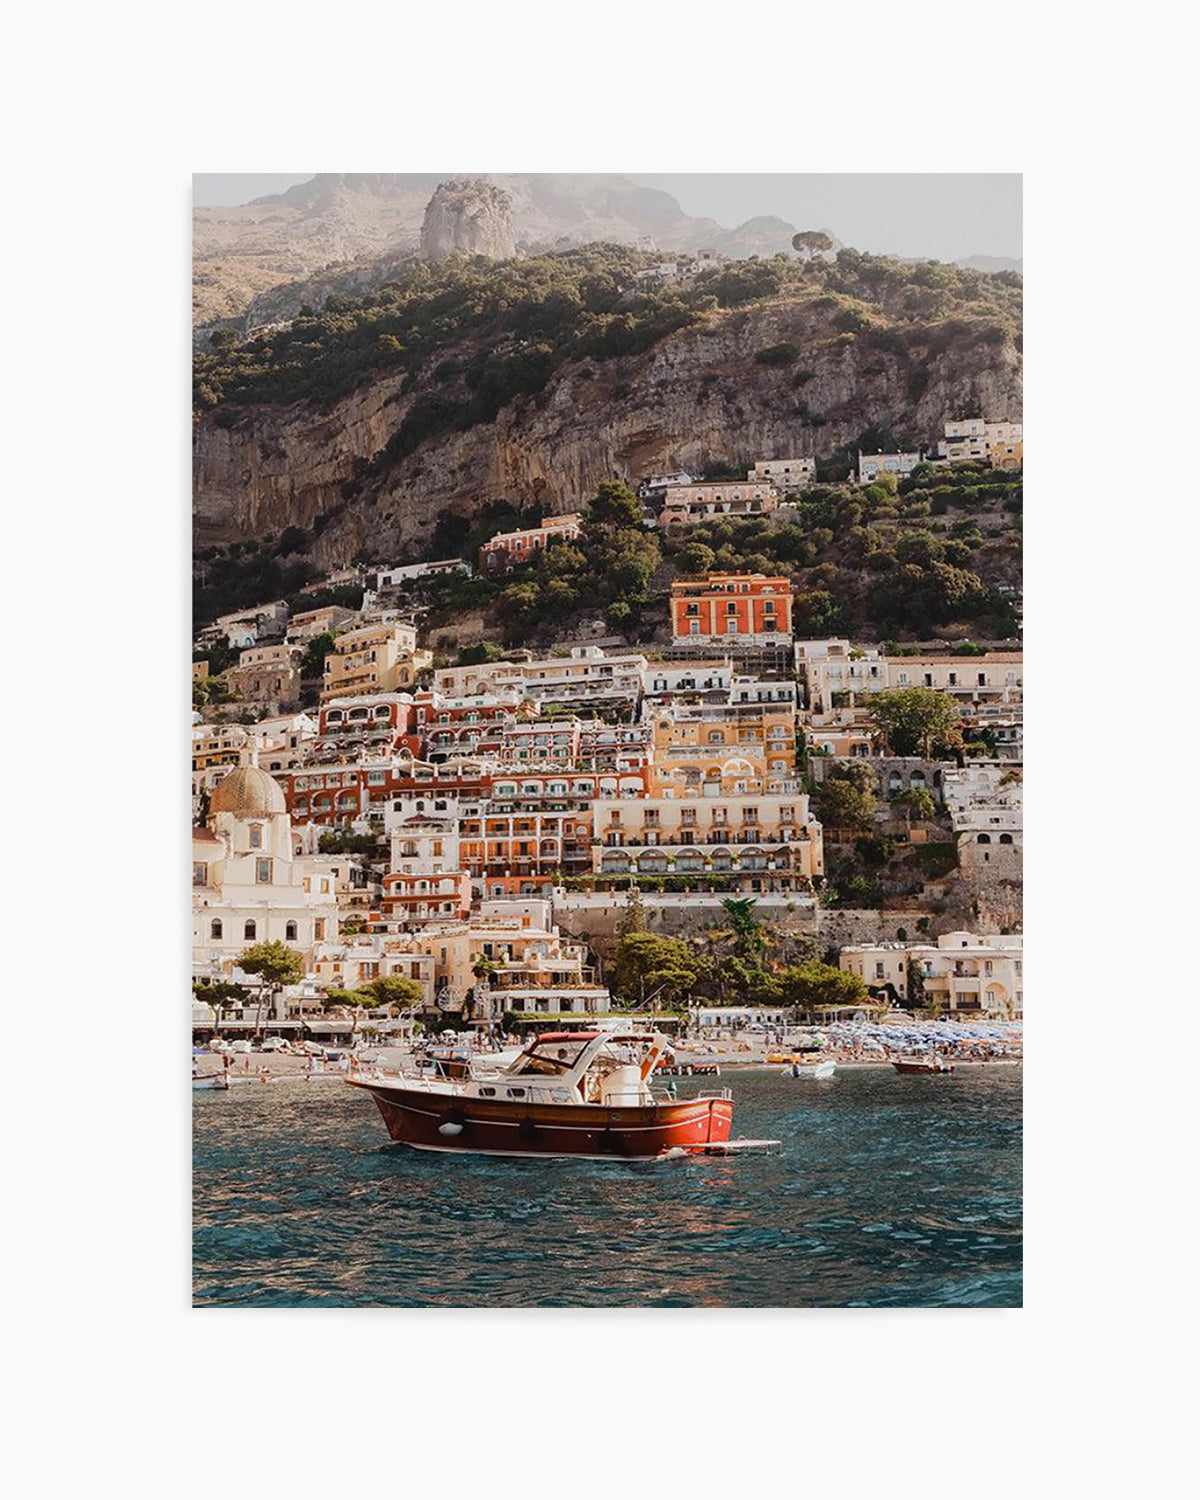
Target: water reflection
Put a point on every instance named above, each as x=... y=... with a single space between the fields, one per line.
x=888 y=1190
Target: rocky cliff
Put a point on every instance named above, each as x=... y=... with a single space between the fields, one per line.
x=699 y=397
x=468 y=217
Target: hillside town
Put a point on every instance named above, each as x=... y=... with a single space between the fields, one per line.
x=739 y=821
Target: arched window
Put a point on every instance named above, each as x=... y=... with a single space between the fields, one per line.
x=256 y=835
x=1006 y=838
x=984 y=838
x=250 y=932
x=289 y=932
x=216 y=930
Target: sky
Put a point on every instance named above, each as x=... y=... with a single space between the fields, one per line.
x=945 y=216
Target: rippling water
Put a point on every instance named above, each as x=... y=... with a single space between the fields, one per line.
x=888 y=1191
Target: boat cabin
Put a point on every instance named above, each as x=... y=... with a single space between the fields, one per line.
x=577 y=1067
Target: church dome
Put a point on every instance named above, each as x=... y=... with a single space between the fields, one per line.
x=248 y=792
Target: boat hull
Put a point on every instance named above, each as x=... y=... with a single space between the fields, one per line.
x=919 y=1067
x=496 y=1128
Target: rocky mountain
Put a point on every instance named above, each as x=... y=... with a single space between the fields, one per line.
x=806 y=365
x=468 y=217
x=350 y=229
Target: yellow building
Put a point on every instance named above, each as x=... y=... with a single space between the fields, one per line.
x=748 y=744
x=373 y=659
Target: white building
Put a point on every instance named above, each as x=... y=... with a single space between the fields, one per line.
x=872 y=465
x=247 y=884
x=960 y=973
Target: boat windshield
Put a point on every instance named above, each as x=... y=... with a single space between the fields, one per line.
x=550 y=1057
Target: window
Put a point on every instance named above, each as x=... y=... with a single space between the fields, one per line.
x=250 y=932
x=319 y=930
x=199 y=874
x=262 y=871
x=256 y=836
x=216 y=931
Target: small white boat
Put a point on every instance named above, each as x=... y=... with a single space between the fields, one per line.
x=825 y=1069
x=211 y=1081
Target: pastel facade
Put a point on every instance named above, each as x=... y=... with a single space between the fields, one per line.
x=310 y=623
x=511 y=548
x=373 y=659
x=732 y=609
x=961 y=973
x=837 y=674
x=686 y=504
x=771 y=840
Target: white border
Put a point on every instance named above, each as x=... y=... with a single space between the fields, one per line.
x=111 y=110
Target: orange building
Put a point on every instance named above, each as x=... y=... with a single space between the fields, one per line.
x=732 y=607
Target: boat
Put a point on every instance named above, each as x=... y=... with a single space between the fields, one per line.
x=922 y=1065
x=820 y=1070
x=210 y=1081
x=581 y=1094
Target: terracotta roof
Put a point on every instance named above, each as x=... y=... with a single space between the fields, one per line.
x=204 y=836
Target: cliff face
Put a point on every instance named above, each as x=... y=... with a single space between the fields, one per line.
x=699 y=397
x=468 y=217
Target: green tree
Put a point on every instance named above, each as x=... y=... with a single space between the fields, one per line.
x=840 y=802
x=312 y=663
x=748 y=937
x=811 y=242
x=649 y=969
x=807 y=985
x=218 y=993
x=916 y=720
x=917 y=802
x=393 y=989
x=613 y=505
x=276 y=966
x=696 y=558
x=633 y=914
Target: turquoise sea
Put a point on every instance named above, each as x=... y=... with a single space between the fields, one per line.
x=888 y=1191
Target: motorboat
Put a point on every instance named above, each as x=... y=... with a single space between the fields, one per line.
x=922 y=1065
x=566 y=1093
x=820 y=1070
x=210 y=1081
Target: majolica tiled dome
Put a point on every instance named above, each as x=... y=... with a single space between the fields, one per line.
x=248 y=792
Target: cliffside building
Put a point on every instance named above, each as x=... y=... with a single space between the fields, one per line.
x=685 y=504
x=786 y=474
x=1000 y=444
x=731 y=610
x=373 y=659
x=510 y=548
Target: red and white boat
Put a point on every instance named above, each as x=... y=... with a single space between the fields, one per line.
x=568 y=1093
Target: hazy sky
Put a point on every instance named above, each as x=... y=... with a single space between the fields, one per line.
x=942 y=215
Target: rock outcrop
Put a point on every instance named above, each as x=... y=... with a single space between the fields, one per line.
x=698 y=398
x=468 y=216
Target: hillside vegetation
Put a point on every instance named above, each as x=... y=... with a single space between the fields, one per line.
x=479 y=334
